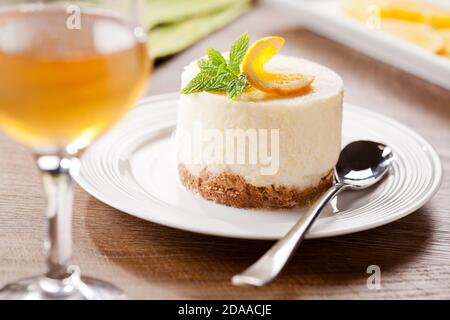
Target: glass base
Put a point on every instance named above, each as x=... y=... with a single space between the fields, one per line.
x=41 y=288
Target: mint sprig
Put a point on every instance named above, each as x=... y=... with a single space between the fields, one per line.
x=238 y=51
x=218 y=74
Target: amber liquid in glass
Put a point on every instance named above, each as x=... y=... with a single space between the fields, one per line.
x=61 y=86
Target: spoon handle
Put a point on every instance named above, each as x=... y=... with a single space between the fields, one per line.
x=269 y=266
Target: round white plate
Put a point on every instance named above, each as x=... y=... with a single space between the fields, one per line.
x=133 y=169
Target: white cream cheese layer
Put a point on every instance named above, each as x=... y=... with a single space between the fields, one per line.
x=309 y=127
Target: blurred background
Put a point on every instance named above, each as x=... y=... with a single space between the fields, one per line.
x=174 y=25
x=420 y=29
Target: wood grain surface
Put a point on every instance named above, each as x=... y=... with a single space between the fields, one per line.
x=151 y=261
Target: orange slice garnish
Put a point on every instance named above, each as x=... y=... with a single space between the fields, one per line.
x=279 y=83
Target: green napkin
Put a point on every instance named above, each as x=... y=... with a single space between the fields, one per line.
x=176 y=24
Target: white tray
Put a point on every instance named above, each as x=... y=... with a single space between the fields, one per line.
x=326 y=18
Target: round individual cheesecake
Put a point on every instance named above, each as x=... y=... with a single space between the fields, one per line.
x=261 y=150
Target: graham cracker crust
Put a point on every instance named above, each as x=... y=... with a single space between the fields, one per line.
x=234 y=191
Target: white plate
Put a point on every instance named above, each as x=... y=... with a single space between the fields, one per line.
x=133 y=168
x=326 y=18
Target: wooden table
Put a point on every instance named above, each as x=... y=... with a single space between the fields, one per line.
x=151 y=261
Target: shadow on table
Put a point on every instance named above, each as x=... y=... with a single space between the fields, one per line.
x=191 y=262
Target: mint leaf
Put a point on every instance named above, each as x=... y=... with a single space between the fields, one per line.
x=198 y=84
x=203 y=80
x=207 y=67
x=237 y=86
x=218 y=75
x=238 y=51
x=221 y=80
x=215 y=57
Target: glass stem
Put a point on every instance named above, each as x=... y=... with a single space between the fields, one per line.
x=57 y=174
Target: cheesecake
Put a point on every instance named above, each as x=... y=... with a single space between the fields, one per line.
x=261 y=149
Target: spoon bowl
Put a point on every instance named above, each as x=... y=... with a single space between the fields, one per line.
x=370 y=166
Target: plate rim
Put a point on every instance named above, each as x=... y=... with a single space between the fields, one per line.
x=431 y=192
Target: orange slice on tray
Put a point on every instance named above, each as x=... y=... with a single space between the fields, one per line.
x=446 y=35
x=419 y=34
x=440 y=20
x=283 y=84
x=419 y=11
x=410 y=10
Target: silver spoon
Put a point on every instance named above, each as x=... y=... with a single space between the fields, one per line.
x=361 y=165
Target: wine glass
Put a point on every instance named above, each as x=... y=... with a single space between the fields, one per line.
x=69 y=71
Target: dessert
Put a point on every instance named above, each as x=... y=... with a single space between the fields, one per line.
x=248 y=148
